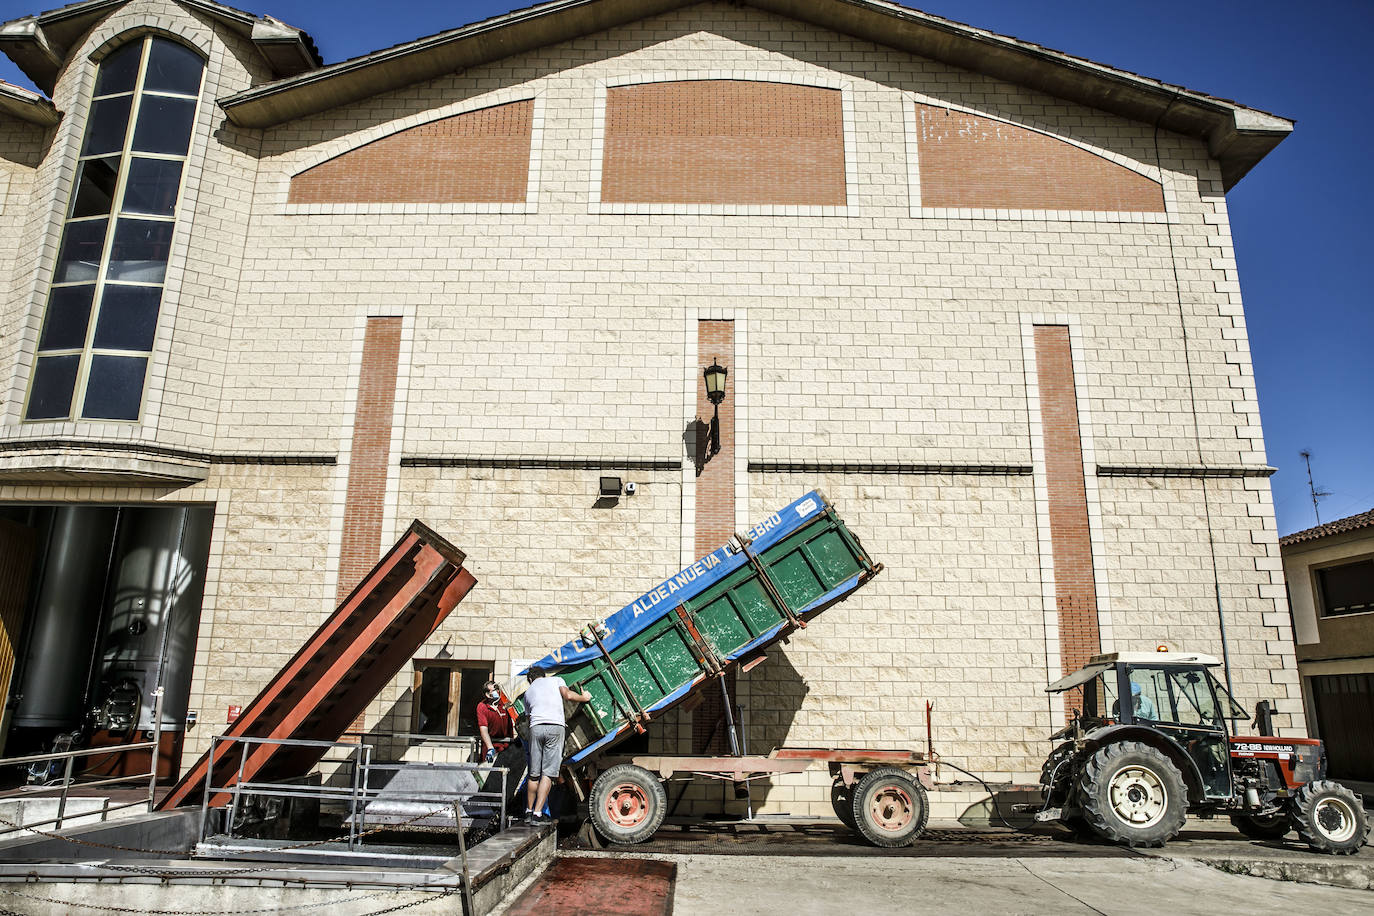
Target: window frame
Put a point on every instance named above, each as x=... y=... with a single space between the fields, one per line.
x=114 y=218
x=1319 y=587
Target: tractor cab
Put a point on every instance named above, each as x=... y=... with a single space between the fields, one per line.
x=1174 y=694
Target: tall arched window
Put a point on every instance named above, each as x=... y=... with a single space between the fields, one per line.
x=101 y=318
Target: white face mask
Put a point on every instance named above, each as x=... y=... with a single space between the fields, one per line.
x=493 y=695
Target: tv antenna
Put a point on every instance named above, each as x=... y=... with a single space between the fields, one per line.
x=1311 y=487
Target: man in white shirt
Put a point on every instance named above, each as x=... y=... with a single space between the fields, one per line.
x=548 y=728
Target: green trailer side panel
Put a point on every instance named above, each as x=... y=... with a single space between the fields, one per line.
x=795 y=579
x=667 y=652
x=643 y=685
x=721 y=623
x=832 y=558
x=754 y=605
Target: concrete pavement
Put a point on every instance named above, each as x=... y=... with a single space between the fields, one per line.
x=1147 y=886
x=801 y=868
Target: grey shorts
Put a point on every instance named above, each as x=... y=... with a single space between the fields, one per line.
x=546 y=750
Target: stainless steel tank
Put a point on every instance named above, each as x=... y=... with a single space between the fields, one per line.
x=153 y=606
x=66 y=618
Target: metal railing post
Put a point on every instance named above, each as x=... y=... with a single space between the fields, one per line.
x=238 y=789
x=66 y=786
x=360 y=767
x=205 y=796
x=157 y=747
x=463 y=854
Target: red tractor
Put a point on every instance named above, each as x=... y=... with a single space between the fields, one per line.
x=1151 y=744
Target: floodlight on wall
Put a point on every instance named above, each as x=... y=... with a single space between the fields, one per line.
x=610 y=488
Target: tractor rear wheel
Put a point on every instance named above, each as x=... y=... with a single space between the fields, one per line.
x=1263 y=826
x=1329 y=817
x=889 y=807
x=627 y=804
x=1132 y=794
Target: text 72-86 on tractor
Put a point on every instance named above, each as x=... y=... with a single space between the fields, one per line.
x=1130 y=771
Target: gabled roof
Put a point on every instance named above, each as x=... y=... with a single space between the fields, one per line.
x=27 y=106
x=1237 y=136
x=1339 y=526
x=40 y=44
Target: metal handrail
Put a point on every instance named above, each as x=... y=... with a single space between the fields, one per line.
x=68 y=781
x=89 y=752
x=358 y=793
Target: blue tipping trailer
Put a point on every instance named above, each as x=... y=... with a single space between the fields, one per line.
x=709 y=616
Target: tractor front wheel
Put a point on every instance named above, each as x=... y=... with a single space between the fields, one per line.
x=1132 y=794
x=627 y=804
x=1329 y=817
x=889 y=807
x=1262 y=826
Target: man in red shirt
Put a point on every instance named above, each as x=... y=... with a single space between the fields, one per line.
x=492 y=722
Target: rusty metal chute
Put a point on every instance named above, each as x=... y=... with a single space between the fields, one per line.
x=340 y=669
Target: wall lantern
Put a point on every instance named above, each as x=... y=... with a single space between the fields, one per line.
x=610 y=488
x=715 y=393
x=715 y=382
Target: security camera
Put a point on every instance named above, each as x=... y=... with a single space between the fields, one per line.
x=630 y=489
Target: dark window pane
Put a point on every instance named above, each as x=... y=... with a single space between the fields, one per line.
x=106 y=128
x=64 y=327
x=164 y=125
x=434 y=701
x=152 y=186
x=128 y=317
x=115 y=388
x=79 y=259
x=95 y=187
x=119 y=70
x=1347 y=589
x=173 y=68
x=139 y=253
x=53 y=380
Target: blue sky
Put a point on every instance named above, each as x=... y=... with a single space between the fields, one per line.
x=1300 y=219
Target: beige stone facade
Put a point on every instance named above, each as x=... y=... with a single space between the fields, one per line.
x=561 y=333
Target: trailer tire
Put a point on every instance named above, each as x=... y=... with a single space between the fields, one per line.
x=889 y=807
x=1131 y=794
x=842 y=800
x=1263 y=826
x=1329 y=817
x=627 y=804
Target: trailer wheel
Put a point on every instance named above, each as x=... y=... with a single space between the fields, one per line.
x=889 y=807
x=1262 y=826
x=1329 y=817
x=1133 y=795
x=842 y=800
x=627 y=804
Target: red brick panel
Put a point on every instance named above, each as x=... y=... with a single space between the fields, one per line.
x=367 y=467
x=477 y=157
x=968 y=161
x=723 y=142
x=1075 y=584
x=715 y=506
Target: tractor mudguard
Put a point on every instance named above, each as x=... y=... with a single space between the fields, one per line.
x=1110 y=734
